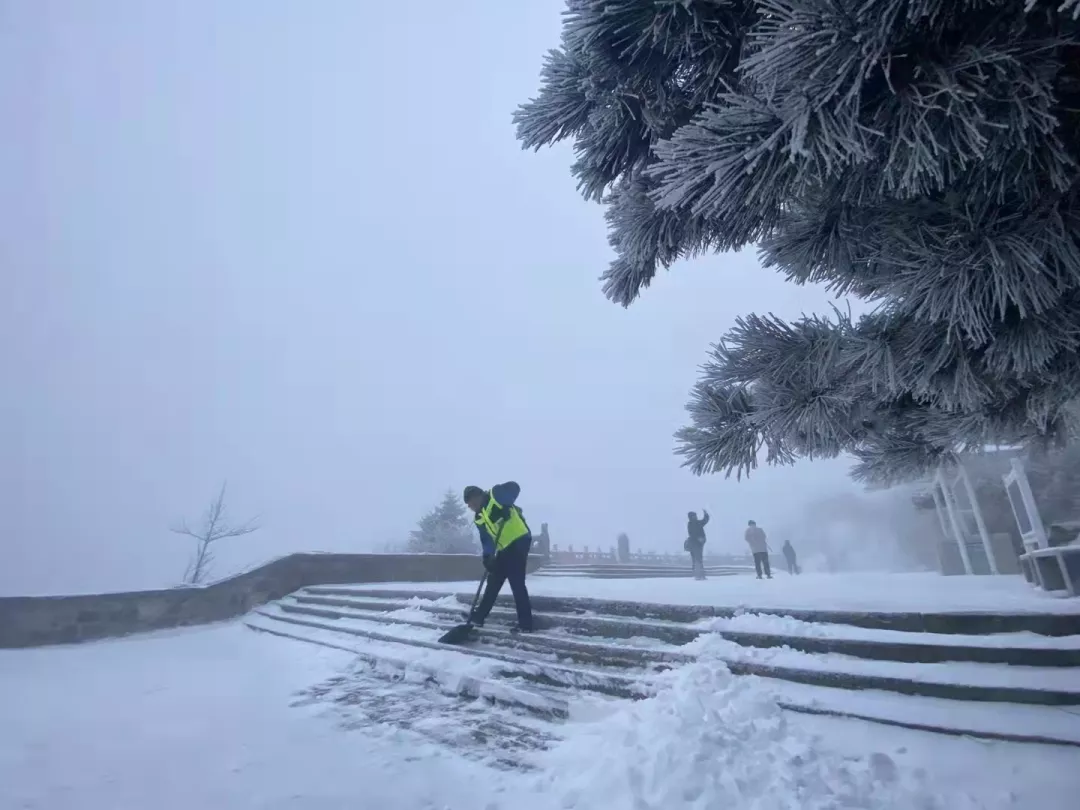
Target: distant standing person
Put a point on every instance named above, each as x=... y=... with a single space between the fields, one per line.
x=695 y=541
x=759 y=547
x=788 y=551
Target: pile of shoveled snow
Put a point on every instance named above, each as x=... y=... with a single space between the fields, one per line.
x=711 y=741
x=420 y=609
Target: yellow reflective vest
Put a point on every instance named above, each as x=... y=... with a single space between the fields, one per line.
x=504 y=530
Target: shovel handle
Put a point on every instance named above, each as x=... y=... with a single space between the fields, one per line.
x=476 y=598
x=483 y=579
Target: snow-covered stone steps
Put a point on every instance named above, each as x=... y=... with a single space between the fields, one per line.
x=511 y=664
x=586 y=625
x=997 y=721
x=499 y=723
x=529 y=671
x=990 y=683
x=993 y=683
x=956 y=682
x=530 y=685
x=949 y=623
x=966 y=682
x=549 y=644
x=636 y=572
x=881 y=645
x=1054 y=725
x=453 y=673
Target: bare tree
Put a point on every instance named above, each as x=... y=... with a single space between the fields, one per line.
x=215 y=525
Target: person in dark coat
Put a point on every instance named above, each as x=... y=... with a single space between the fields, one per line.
x=695 y=541
x=788 y=551
x=505 y=539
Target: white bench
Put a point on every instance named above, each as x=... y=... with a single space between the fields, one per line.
x=1054 y=569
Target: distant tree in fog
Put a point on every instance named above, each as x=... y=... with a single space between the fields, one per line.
x=213 y=526
x=446 y=529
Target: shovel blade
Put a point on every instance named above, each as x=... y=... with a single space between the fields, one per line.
x=457 y=635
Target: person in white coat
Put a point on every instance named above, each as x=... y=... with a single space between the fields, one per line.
x=759 y=547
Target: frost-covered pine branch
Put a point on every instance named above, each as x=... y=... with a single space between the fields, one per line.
x=920 y=154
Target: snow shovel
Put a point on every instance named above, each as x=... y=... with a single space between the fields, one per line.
x=460 y=634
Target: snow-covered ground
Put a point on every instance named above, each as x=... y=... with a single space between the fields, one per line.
x=920 y=593
x=210 y=718
x=198 y=719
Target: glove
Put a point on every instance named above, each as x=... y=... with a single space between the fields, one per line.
x=489 y=563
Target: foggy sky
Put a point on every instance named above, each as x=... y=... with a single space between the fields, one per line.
x=297 y=246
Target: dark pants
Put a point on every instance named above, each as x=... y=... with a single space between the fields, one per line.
x=761 y=562
x=509 y=566
x=792 y=566
x=697 y=559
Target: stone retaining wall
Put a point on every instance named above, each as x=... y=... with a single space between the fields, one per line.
x=31 y=621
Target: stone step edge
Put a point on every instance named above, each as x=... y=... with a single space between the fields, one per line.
x=948 y=623
x=681 y=633
x=983 y=734
x=620 y=686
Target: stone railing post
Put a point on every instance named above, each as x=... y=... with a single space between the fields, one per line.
x=543 y=542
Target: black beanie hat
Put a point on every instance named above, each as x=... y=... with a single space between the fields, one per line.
x=470 y=491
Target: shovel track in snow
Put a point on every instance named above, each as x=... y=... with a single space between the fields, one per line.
x=475 y=728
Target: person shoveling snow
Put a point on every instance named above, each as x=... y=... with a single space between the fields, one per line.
x=505 y=539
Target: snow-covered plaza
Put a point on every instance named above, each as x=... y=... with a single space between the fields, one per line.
x=223 y=717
